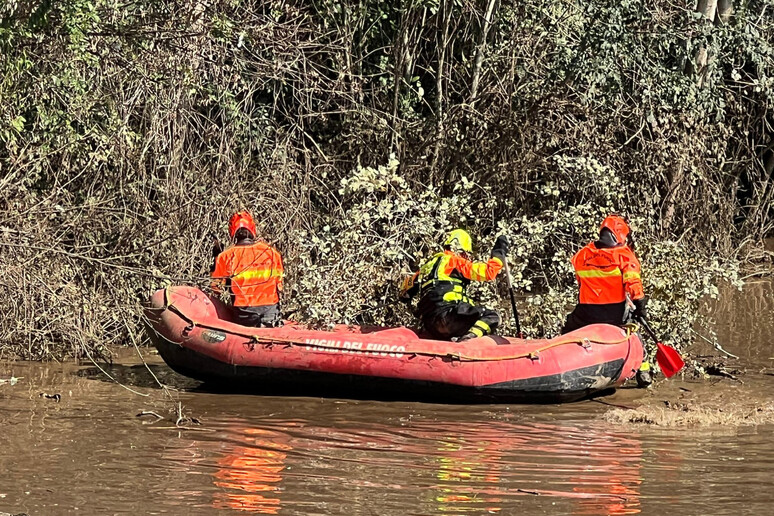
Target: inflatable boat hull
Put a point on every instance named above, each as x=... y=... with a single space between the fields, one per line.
x=193 y=335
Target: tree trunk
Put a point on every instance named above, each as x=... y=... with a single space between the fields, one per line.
x=444 y=22
x=698 y=67
x=671 y=197
x=404 y=64
x=708 y=8
x=480 y=49
x=198 y=28
x=345 y=74
x=724 y=12
x=397 y=77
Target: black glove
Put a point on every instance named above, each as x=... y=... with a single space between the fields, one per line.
x=408 y=289
x=500 y=248
x=217 y=248
x=640 y=311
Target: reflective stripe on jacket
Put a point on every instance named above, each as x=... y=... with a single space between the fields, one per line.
x=253 y=273
x=446 y=275
x=606 y=275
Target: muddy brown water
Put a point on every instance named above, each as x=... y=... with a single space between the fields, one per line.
x=87 y=451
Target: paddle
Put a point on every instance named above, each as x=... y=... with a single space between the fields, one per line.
x=669 y=360
x=509 y=282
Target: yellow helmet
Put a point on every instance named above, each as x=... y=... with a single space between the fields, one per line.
x=459 y=240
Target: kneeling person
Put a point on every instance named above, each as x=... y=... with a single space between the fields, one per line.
x=252 y=271
x=446 y=311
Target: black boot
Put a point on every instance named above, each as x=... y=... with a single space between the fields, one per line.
x=644 y=376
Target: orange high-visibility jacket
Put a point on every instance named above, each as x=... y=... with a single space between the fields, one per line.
x=606 y=275
x=254 y=273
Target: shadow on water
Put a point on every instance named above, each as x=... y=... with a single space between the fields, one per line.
x=140 y=375
x=154 y=376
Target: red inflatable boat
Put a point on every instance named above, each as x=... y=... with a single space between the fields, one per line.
x=193 y=335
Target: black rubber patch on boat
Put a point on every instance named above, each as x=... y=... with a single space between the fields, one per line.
x=213 y=337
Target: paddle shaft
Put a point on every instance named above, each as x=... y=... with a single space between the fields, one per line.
x=509 y=282
x=647 y=327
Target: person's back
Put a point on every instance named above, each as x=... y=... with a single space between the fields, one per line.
x=253 y=272
x=607 y=271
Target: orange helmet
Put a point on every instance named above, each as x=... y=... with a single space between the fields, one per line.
x=618 y=225
x=241 y=219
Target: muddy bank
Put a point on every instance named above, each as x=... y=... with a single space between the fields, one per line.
x=732 y=388
x=703 y=403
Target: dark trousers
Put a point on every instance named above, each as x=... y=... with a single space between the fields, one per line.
x=257 y=316
x=585 y=314
x=455 y=320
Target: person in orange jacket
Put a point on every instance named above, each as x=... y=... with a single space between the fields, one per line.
x=446 y=311
x=252 y=271
x=608 y=272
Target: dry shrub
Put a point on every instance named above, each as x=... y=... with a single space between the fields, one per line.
x=128 y=133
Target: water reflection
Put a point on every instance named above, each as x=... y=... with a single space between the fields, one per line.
x=484 y=469
x=617 y=480
x=460 y=467
x=250 y=471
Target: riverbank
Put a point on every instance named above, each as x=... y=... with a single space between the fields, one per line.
x=745 y=400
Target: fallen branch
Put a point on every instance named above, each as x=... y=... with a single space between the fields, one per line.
x=715 y=344
x=149 y=413
x=182 y=420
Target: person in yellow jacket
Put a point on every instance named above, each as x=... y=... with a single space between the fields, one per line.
x=446 y=311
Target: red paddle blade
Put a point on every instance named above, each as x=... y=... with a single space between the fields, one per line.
x=669 y=360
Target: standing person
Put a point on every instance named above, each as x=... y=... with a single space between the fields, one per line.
x=607 y=271
x=252 y=271
x=446 y=311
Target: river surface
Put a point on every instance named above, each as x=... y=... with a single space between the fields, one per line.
x=86 y=451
